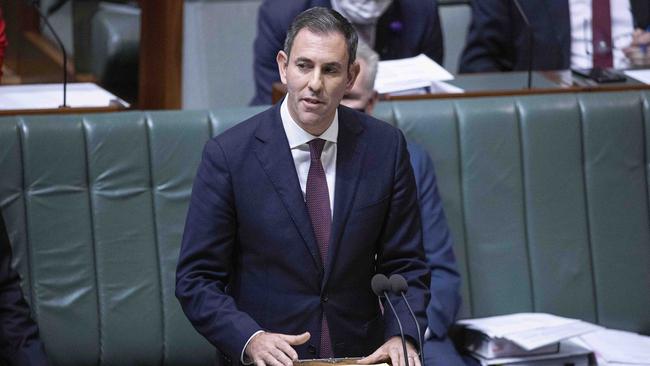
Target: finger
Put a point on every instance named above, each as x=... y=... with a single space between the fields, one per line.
x=296 y=340
x=288 y=350
x=416 y=360
x=270 y=360
x=259 y=362
x=396 y=356
x=281 y=357
x=377 y=356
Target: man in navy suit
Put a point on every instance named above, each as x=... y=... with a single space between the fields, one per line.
x=404 y=28
x=497 y=39
x=19 y=342
x=437 y=241
x=292 y=213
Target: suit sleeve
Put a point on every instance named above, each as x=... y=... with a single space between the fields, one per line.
x=490 y=43
x=269 y=40
x=206 y=258
x=438 y=246
x=19 y=341
x=401 y=251
x=433 y=42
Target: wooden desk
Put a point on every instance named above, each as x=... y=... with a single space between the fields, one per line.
x=46 y=99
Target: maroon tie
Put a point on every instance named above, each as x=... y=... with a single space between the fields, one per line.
x=601 y=28
x=318 y=205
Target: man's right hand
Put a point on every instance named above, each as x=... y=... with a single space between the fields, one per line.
x=274 y=349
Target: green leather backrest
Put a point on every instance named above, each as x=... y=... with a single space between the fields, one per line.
x=546 y=197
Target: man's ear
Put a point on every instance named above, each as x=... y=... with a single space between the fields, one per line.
x=353 y=73
x=283 y=61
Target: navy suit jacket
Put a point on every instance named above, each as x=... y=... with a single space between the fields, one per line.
x=497 y=38
x=249 y=259
x=19 y=342
x=406 y=29
x=438 y=245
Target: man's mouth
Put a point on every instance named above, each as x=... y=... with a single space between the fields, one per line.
x=312 y=101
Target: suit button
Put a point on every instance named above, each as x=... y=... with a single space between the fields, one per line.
x=324 y=298
x=311 y=349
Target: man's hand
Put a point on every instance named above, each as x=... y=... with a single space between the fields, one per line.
x=274 y=349
x=637 y=51
x=393 y=349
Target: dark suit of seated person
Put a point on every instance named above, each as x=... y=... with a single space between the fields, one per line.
x=405 y=28
x=497 y=39
x=436 y=238
x=19 y=341
x=293 y=212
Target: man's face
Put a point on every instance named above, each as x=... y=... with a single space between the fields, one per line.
x=361 y=97
x=317 y=76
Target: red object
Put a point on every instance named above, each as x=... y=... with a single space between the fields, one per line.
x=3 y=41
x=601 y=28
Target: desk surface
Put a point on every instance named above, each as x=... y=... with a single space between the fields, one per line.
x=47 y=98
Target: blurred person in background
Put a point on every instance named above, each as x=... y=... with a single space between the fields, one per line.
x=19 y=341
x=3 y=42
x=394 y=28
x=563 y=35
x=436 y=238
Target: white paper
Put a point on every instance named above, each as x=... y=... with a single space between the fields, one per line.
x=408 y=73
x=641 y=75
x=567 y=349
x=49 y=96
x=617 y=347
x=530 y=330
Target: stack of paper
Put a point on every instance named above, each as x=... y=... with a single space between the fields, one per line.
x=530 y=330
x=618 y=348
x=412 y=74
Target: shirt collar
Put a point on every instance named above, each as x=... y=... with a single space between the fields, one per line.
x=297 y=136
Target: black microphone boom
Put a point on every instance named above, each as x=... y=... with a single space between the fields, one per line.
x=381 y=286
x=531 y=41
x=399 y=286
x=60 y=44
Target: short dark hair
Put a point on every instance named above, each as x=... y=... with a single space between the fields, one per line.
x=321 y=20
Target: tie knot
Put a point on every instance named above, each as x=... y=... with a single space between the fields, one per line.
x=316 y=148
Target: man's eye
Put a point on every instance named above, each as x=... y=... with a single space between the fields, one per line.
x=302 y=66
x=330 y=70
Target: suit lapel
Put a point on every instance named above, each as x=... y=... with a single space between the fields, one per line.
x=348 y=167
x=272 y=150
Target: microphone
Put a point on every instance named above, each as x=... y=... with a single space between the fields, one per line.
x=35 y=5
x=399 y=286
x=529 y=31
x=381 y=286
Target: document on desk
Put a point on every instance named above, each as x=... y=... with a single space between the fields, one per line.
x=640 y=75
x=616 y=347
x=530 y=330
x=409 y=73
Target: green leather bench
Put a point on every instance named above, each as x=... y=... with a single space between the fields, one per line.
x=546 y=196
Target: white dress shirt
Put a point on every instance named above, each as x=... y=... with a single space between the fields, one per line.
x=298 y=142
x=622 y=29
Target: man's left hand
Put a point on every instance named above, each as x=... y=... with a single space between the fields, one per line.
x=393 y=350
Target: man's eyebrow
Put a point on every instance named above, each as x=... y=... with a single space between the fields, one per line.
x=303 y=59
x=338 y=65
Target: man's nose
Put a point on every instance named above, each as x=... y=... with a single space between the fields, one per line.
x=316 y=82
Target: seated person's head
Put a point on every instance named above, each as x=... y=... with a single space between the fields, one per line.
x=363 y=96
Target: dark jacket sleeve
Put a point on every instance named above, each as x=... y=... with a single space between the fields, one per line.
x=489 y=45
x=438 y=246
x=19 y=341
x=433 y=44
x=271 y=31
x=402 y=250
x=205 y=260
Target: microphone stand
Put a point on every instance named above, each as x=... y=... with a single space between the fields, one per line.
x=60 y=44
x=531 y=41
x=381 y=286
